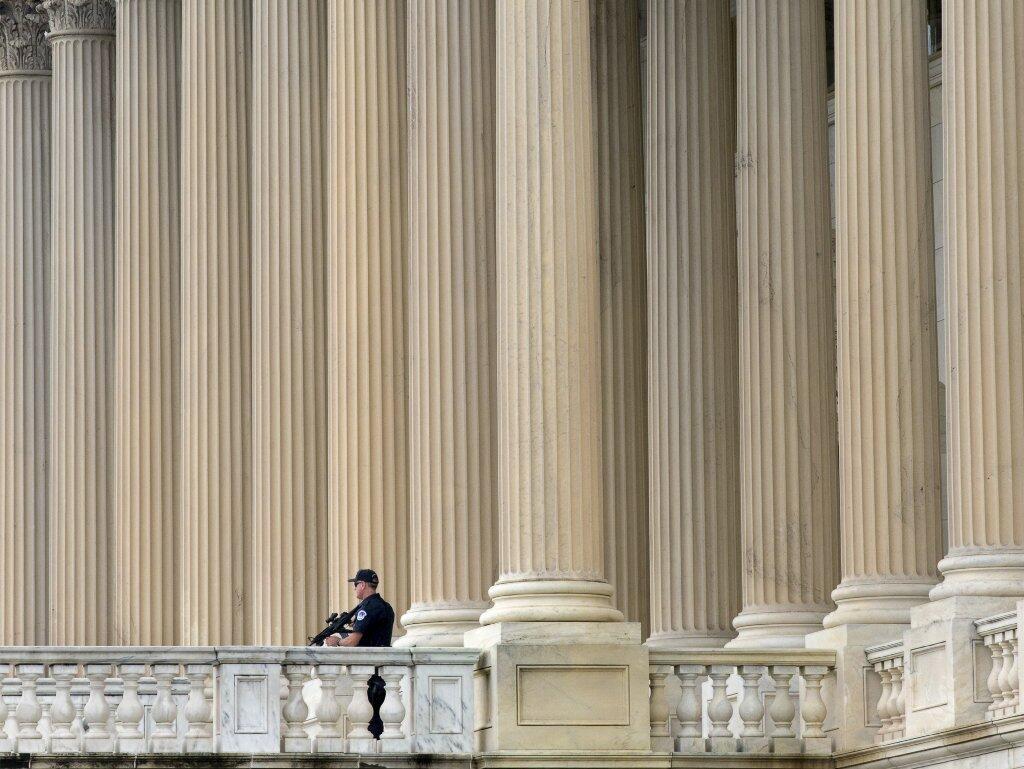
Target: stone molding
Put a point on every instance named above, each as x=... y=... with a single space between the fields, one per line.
x=23 y=44
x=69 y=17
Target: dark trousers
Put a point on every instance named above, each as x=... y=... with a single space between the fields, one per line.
x=375 y=693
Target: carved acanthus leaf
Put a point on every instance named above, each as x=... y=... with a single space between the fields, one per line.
x=23 y=44
x=68 y=16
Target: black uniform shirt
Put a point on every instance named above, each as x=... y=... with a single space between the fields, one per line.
x=375 y=619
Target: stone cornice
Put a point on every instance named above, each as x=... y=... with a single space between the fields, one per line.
x=23 y=44
x=78 y=16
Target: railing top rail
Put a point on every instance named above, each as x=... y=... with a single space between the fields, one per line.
x=13 y=655
x=887 y=651
x=997 y=623
x=719 y=656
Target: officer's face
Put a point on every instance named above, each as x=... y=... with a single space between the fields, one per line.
x=362 y=590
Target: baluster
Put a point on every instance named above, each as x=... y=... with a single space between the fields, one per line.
x=62 y=712
x=898 y=702
x=360 y=711
x=45 y=697
x=1014 y=675
x=783 y=710
x=660 y=739
x=129 y=714
x=28 y=712
x=6 y=743
x=884 y=716
x=329 y=738
x=751 y=711
x=1006 y=663
x=392 y=711
x=690 y=739
x=79 y=696
x=993 y=676
x=197 y=711
x=164 y=711
x=813 y=711
x=720 y=711
x=295 y=712
x=96 y=714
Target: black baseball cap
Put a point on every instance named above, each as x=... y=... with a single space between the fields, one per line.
x=368 y=576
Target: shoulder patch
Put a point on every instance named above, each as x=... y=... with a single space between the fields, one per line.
x=361 y=615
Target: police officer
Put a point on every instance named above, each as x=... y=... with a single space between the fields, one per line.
x=372 y=624
x=373 y=619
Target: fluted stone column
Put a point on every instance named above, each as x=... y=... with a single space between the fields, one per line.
x=453 y=422
x=24 y=321
x=148 y=318
x=788 y=451
x=81 y=484
x=366 y=295
x=885 y=297
x=983 y=124
x=693 y=315
x=215 y=311
x=290 y=587
x=615 y=47
x=548 y=285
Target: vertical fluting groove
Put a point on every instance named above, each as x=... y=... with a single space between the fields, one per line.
x=453 y=422
x=789 y=462
x=366 y=296
x=216 y=323
x=885 y=308
x=148 y=323
x=983 y=125
x=551 y=555
x=82 y=590
x=693 y=317
x=623 y=310
x=24 y=327
x=290 y=592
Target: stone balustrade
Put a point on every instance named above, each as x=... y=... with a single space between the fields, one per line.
x=731 y=701
x=292 y=700
x=1000 y=635
x=891 y=706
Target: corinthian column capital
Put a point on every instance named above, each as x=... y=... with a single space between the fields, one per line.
x=23 y=45
x=76 y=16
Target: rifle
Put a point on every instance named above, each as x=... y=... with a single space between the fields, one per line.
x=335 y=624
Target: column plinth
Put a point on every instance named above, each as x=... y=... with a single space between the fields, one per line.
x=25 y=296
x=692 y=323
x=788 y=444
x=82 y=478
x=148 y=318
x=983 y=66
x=452 y=428
x=216 y=327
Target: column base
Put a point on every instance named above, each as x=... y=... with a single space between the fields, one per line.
x=993 y=573
x=533 y=679
x=682 y=641
x=776 y=628
x=439 y=624
x=551 y=600
x=877 y=602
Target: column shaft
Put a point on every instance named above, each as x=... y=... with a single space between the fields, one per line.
x=148 y=318
x=24 y=322
x=888 y=365
x=788 y=451
x=453 y=422
x=289 y=365
x=216 y=317
x=693 y=316
x=366 y=390
x=548 y=286
x=81 y=484
x=983 y=123
x=620 y=214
